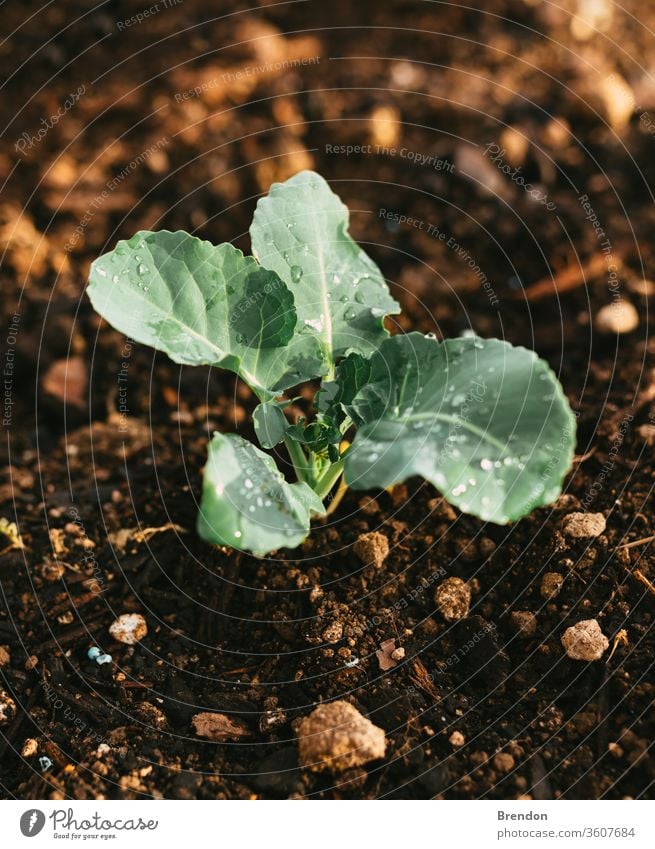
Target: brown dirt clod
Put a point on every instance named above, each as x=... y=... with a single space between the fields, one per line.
x=453 y=598
x=219 y=727
x=583 y=525
x=551 y=585
x=336 y=737
x=372 y=549
x=525 y=623
x=585 y=641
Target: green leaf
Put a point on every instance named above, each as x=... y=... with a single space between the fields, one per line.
x=246 y=502
x=205 y=305
x=335 y=397
x=487 y=423
x=301 y=231
x=271 y=425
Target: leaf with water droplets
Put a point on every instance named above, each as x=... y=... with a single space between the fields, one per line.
x=271 y=425
x=469 y=416
x=335 y=397
x=247 y=503
x=300 y=230
x=205 y=305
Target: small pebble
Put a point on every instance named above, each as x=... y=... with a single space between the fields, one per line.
x=336 y=737
x=5 y=657
x=219 y=727
x=453 y=599
x=333 y=632
x=457 y=739
x=585 y=641
x=398 y=654
x=150 y=714
x=525 y=623
x=503 y=762
x=385 y=654
x=30 y=748
x=7 y=708
x=551 y=584
x=52 y=570
x=619 y=317
x=129 y=628
x=583 y=525
x=615 y=750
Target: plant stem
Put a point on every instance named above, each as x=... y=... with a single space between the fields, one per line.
x=331 y=475
x=299 y=459
x=338 y=496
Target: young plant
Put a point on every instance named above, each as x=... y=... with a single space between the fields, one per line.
x=485 y=422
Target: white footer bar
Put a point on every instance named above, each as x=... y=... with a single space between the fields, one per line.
x=324 y=825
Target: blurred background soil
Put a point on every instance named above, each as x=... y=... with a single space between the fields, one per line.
x=182 y=120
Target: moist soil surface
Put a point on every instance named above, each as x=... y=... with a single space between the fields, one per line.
x=106 y=441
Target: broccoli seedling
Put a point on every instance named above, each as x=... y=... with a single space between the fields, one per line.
x=485 y=422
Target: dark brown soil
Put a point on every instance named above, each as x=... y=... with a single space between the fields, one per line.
x=263 y=641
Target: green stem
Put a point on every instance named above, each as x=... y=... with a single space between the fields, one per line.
x=331 y=475
x=299 y=459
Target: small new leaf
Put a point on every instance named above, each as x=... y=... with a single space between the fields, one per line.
x=271 y=425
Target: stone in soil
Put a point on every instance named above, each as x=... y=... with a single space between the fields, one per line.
x=551 y=584
x=336 y=737
x=503 y=762
x=619 y=317
x=525 y=623
x=385 y=655
x=372 y=549
x=457 y=739
x=7 y=708
x=129 y=628
x=585 y=641
x=453 y=599
x=583 y=525
x=219 y=727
